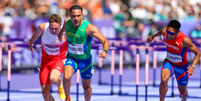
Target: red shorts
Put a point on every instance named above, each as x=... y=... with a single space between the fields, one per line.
x=47 y=67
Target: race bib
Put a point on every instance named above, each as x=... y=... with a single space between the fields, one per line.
x=174 y=58
x=52 y=50
x=75 y=49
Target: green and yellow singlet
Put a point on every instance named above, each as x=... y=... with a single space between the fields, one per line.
x=79 y=43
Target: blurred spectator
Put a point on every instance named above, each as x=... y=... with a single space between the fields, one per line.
x=196 y=33
x=8 y=22
x=153 y=30
x=95 y=7
x=138 y=31
x=115 y=6
x=106 y=9
x=1 y=29
x=123 y=21
x=126 y=13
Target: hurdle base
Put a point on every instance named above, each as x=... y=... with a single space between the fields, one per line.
x=8 y=99
x=99 y=83
x=120 y=93
x=172 y=95
x=111 y=93
x=154 y=84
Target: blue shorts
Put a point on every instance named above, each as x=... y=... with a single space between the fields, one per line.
x=179 y=71
x=85 y=66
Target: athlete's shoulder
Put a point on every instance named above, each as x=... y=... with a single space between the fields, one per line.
x=91 y=27
x=186 y=39
x=67 y=19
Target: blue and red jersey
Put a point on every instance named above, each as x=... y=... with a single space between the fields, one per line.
x=175 y=53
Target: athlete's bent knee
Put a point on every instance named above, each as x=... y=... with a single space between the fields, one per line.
x=164 y=80
x=182 y=91
x=45 y=93
x=86 y=87
x=53 y=79
x=67 y=76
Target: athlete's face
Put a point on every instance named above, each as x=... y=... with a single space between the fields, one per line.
x=171 y=33
x=76 y=17
x=54 y=28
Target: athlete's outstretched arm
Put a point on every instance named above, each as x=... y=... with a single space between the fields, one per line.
x=160 y=32
x=188 y=43
x=36 y=35
x=62 y=29
x=93 y=31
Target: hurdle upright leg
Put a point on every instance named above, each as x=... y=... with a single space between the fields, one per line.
x=154 y=67
x=137 y=72
x=100 y=65
x=77 y=81
x=146 y=73
x=9 y=72
x=172 y=95
x=112 y=70
x=120 y=69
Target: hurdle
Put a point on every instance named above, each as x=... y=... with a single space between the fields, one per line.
x=137 y=72
x=9 y=72
x=112 y=70
x=77 y=81
x=100 y=65
x=146 y=73
x=120 y=85
x=120 y=69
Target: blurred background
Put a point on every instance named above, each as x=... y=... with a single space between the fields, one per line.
x=115 y=19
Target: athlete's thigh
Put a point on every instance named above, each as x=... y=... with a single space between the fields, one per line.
x=86 y=68
x=56 y=68
x=181 y=75
x=44 y=73
x=167 y=70
x=57 y=65
x=70 y=67
x=55 y=74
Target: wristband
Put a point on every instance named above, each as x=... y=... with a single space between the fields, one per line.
x=30 y=45
x=105 y=50
x=193 y=66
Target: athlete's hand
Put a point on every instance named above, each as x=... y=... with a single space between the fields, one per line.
x=31 y=47
x=149 y=39
x=190 y=70
x=103 y=54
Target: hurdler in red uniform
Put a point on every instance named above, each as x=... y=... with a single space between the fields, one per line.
x=53 y=55
x=176 y=61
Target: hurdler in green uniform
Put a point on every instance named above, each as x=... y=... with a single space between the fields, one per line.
x=80 y=33
x=79 y=49
x=79 y=43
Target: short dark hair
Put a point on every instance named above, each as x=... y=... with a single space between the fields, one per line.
x=174 y=24
x=55 y=18
x=76 y=7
